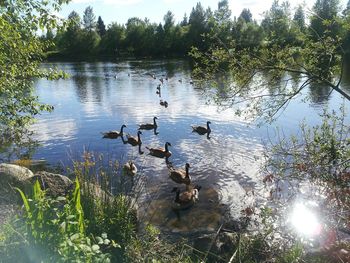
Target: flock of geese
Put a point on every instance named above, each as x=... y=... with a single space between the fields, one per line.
x=183 y=199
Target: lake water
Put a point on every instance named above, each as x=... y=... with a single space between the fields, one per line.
x=102 y=96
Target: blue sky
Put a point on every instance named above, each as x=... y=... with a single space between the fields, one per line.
x=120 y=10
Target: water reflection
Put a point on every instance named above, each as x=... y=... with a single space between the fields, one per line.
x=319 y=93
x=93 y=101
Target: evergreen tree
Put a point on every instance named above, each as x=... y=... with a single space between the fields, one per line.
x=299 y=18
x=168 y=20
x=184 y=21
x=246 y=15
x=197 y=22
x=325 y=10
x=101 y=28
x=89 y=19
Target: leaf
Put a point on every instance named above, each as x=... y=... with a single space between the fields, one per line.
x=75 y=236
x=61 y=198
x=95 y=248
x=99 y=240
x=25 y=200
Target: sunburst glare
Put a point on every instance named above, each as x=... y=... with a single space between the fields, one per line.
x=304 y=220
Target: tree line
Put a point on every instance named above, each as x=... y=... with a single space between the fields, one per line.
x=88 y=36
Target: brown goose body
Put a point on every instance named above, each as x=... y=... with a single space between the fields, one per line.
x=160 y=152
x=202 y=130
x=187 y=198
x=133 y=140
x=149 y=126
x=180 y=176
x=114 y=134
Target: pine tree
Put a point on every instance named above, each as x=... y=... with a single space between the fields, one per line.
x=101 y=28
x=89 y=19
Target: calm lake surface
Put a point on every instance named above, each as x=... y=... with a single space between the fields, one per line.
x=102 y=96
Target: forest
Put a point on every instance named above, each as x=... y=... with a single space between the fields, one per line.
x=87 y=36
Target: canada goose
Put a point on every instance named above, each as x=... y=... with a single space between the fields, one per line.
x=187 y=198
x=160 y=152
x=114 y=134
x=180 y=80
x=133 y=140
x=130 y=168
x=202 y=130
x=180 y=176
x=161 y=80
x=149 y=126
x=191 y=82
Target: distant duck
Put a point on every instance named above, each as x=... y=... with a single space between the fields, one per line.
x=180 y=176
x=161 y=80
x=130 y=168
x=191 y=82
x=160 y=152
x=202 y=130
x=187 y=198
x=128 y=74
x=114 y=134
x=133 y=140
x=180 y=80
x=164 y=103
x=149 y=126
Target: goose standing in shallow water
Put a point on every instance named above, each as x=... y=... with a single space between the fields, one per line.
x=202 y=130
x=133 y=140
x=187 y=198
x=114 y=134
x=149 y=126
x=180 y=176
x=160 y=152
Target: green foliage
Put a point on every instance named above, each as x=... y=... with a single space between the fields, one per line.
x=89 y=19
x=52 y=230
x=259 y=78
x=21 y=52
x=101 y=28
x=320 y=156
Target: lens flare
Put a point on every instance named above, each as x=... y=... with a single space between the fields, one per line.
x=305 y=221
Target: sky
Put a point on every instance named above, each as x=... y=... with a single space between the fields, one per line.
x=121 y=10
